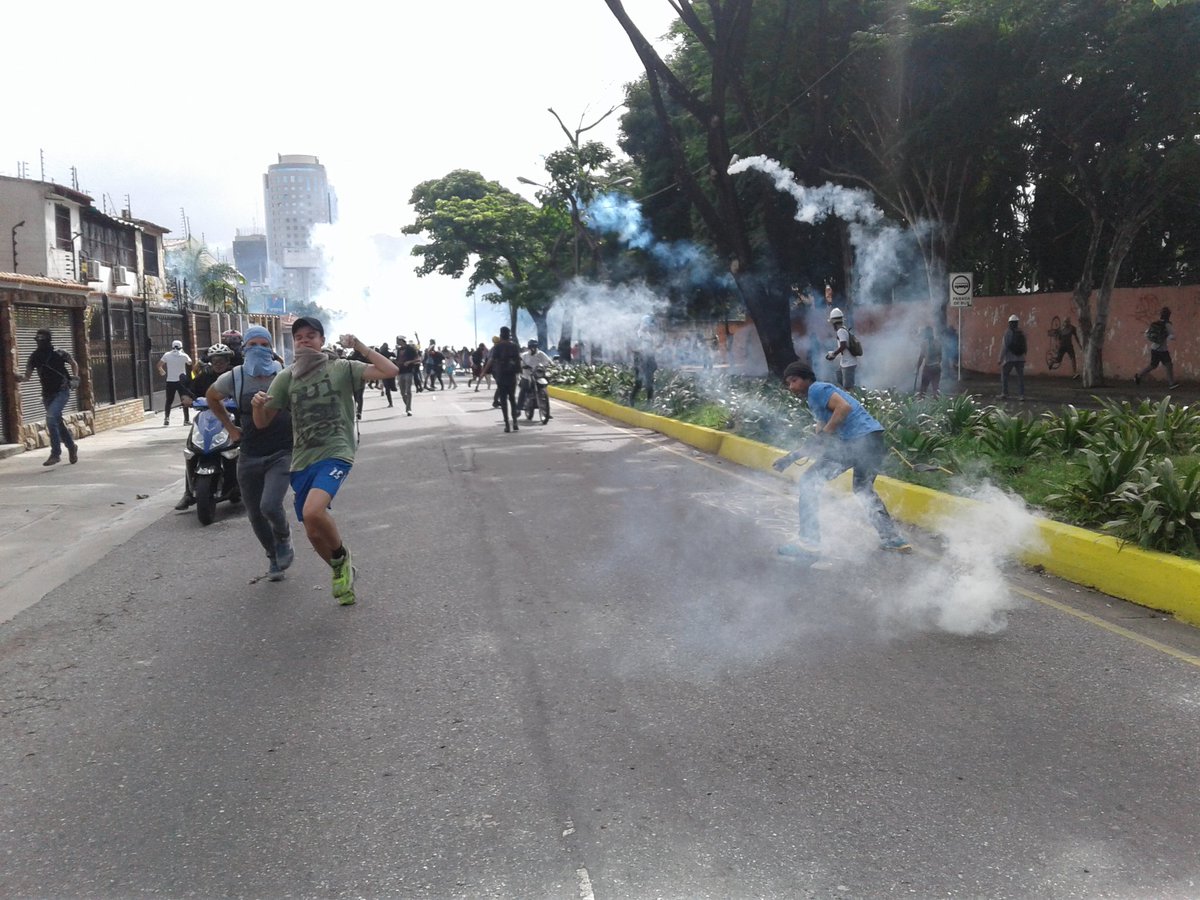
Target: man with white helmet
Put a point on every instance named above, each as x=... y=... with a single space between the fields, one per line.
x=1012 y=356
x=847 y=361
x=174 y=366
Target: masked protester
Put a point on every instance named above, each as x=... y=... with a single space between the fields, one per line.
x=58 y=373
x=265 y=454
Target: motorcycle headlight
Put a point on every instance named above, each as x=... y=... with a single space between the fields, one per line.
x=222 y=437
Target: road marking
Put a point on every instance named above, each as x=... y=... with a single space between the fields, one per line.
x=1119 y=630
x=585 y=885
x=1108 y=626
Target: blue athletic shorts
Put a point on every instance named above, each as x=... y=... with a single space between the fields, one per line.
x=326 y=475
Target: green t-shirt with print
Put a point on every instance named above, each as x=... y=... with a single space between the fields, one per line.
x=322 y=408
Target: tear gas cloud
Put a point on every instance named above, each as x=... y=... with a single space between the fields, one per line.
x=759 y=610
x=369 y=284
x=686 y=264
x=607 y=315
x=963 y=591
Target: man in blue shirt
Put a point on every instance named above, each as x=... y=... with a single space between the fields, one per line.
x=847 y=437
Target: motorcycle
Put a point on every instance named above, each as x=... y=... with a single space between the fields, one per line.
x=534 y=394
x=211 y=461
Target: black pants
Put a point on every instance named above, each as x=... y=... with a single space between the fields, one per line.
x=185 y=397
x=506 y=393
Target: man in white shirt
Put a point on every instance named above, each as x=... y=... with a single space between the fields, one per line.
x=532 y=360
x=848 y=363
x=174 y=366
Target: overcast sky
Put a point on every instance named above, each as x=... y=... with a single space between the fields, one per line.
x=184 y=107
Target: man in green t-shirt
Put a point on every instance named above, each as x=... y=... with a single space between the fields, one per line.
x=319 y=393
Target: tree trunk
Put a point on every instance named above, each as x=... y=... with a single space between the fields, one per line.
x=1081 y=297
x=774 y=324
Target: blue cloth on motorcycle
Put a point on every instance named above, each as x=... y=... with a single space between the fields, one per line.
x=258 y=361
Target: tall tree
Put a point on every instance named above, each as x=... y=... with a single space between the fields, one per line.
x=1115 y=99
x=713 y=104
x=501 y=236
x=924 y=109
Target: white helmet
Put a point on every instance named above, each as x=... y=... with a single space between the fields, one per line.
x=1013 y=318
x=219 y=350
x=835 y=313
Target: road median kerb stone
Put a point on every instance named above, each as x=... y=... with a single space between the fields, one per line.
x=1155 y=580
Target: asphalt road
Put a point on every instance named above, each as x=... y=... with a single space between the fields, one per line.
x=577 y=670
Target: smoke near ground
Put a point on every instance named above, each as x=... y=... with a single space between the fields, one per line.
x=859 y=594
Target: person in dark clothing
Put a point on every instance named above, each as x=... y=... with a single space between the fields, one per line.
x=58 y=373
x=265 y=454
x=1068 y=338
x=220 y=361
x=437 y=367
x=408 y=359
x=389 y=384
x=505 y=365
x=1158 y=335
x=355 y=356
x=478 y=358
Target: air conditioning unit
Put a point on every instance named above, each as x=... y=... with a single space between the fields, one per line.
x=122 y=275
x=89 y=269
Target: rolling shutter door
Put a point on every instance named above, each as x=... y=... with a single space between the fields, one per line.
x=29 y=319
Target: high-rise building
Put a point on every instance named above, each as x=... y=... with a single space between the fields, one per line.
x=297 y=197
x=250 y=256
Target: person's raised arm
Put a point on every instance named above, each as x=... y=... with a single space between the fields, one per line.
x=378 y=365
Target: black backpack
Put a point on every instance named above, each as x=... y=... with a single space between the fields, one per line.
x=854 y=345
x=508 y=358
x=1157 y=332
x=1017 y=345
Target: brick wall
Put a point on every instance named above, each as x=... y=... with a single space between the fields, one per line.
x=127 y=412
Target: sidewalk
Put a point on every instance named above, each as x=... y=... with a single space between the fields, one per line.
x=57 y=521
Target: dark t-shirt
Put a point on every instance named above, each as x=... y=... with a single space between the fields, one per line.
x=51 y=365
x=256 y=442
x=506 y=362
x=410 y=359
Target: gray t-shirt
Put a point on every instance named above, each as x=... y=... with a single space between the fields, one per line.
x=255 y=441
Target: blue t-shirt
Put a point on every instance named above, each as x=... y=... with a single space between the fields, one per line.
x=855 y=425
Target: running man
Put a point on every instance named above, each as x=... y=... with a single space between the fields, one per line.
x=319 y=394
x=265 y=456
x=848 y=437
x=175 y=365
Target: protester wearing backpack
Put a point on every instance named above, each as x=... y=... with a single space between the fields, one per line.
x=1012 y=356
x=505 y=365
x=847 y=351
x=1157 y=335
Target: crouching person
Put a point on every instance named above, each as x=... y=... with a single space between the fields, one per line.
x=847 y=437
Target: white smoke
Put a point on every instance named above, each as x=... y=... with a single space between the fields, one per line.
x=369 y=282
x=885 y=255
x=609 y=315
x=963 y=590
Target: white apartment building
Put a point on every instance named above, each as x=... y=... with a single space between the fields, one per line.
x=54 y=231
x=297 y=197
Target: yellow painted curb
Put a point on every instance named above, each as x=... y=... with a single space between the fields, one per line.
x=1155 y=580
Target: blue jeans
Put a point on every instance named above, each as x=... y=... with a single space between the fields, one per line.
x=59 y=434
x=865 y=456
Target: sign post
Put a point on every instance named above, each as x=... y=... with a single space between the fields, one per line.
x=962 y=294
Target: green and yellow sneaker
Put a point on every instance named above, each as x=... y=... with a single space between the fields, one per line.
x=343 y=579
